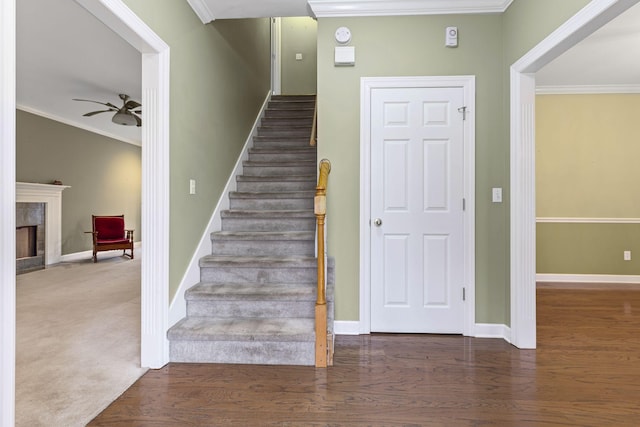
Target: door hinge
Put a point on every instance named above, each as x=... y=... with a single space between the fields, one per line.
x=463 y=110
x=464 y=294
x=464 y=204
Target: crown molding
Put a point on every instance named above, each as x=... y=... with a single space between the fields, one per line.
x=78 y=125
x=202 y=10
x=345 y=8
x=586 y=89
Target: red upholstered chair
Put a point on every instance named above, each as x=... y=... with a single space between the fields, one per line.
x=109 y=234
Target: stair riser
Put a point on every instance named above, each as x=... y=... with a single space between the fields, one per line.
x=263 y=248
x=298 y=132
x=308 y=113
x=254 y=352
x=271 y=186
x=282 y=157
x=226 y=274
x=277 y=170
x=275 y=186
x=249 y=309
x=299 y=105
x=268 y=224
x=280 y=143
x=271 y=204
x=286 y=122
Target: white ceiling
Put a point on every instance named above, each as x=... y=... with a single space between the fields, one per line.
x=609 y=57
x=63 y=52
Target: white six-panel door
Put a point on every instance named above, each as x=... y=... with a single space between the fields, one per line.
x=417 y=214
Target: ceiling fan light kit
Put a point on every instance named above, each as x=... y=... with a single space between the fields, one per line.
x=127 y=115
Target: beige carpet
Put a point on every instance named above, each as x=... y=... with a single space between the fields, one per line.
x=78 y=339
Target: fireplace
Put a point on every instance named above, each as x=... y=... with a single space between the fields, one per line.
x=30 y=236
x=39 y=206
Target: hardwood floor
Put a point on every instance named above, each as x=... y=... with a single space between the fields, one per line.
x=585 y=372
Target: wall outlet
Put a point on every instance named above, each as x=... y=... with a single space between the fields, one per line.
x=627 y=255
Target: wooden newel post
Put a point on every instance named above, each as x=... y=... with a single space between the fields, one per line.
x=320 y=210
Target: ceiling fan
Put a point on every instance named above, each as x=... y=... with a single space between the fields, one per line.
x=127 y=115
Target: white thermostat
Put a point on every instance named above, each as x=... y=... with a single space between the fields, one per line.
x=343 y=35
x=451 y=37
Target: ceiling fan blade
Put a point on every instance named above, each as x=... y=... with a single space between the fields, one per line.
x=137 y=111
x=108 y=104
x=93 y=113
x=138 y=120
x=130 y=105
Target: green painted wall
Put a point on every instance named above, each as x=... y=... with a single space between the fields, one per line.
x=298 y=35
x=405 y=46
x=587 y=248
x=397 y=46
x=104 y=174
x=586 y=167
x=220 y=75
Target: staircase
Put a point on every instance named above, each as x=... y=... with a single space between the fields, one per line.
x=256 y=299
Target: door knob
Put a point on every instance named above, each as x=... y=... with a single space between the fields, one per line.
x=377 y=222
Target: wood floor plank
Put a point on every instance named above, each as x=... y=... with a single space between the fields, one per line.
x=585 y=372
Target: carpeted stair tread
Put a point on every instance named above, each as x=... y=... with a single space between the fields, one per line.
x=263 y=235
x=272 y=195
x=306 y=213
x=281 y=329
x=310 y=163
x=256 y=299
x=259 y=261
x=250 y=292
x=253 y=178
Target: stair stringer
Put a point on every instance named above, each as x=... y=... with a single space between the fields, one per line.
x=178 y=306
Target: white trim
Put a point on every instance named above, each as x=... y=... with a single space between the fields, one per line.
x=178 y=308
x=51 y=196
x=202 y=10
x=276 y=56
x=586 y=90
x=493 y=330
x=346 y=327
x=78 y=125
x=522 y=163
x=7 y=212
x=567 y=220
x=587 y=278
x=343 y=8
x=155 y=173
x=367 y=84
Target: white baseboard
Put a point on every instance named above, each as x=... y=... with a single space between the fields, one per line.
x=346 y=327
x=85 y=255
x=492 y=330
x=587 y=278
x=178 y=306
x=481 y=330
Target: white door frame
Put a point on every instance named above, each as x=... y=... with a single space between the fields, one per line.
x=367 y=84
x=522 y=146
x=155 y=188
x=276 y=49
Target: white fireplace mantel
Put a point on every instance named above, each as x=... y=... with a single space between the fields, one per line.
x=51 y=196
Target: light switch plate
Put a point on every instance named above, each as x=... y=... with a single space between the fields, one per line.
x=496 y=195
x=192 y=186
